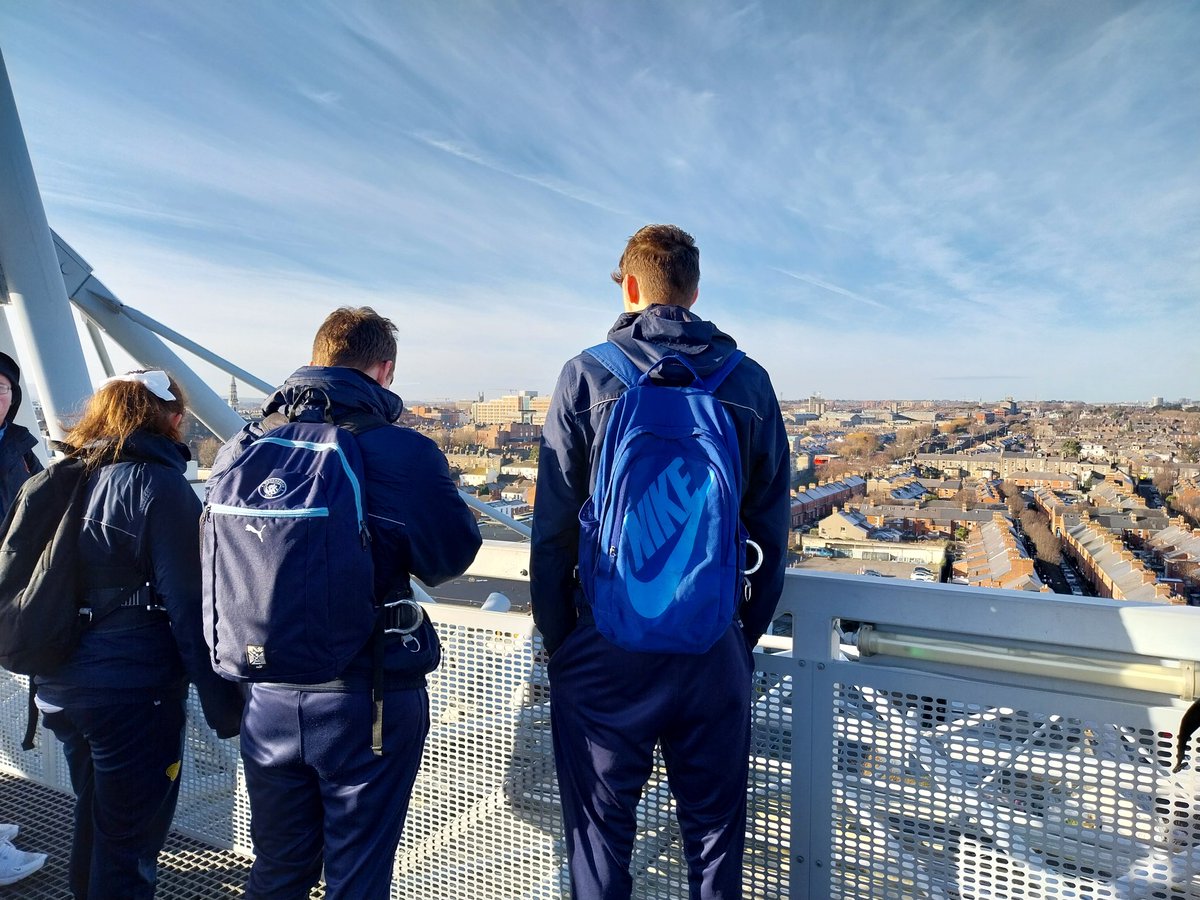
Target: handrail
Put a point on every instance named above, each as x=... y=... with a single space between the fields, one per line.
x=1163 y=676
x=475 y=503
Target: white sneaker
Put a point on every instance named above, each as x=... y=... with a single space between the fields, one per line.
x=9 y=831
x=16 y=864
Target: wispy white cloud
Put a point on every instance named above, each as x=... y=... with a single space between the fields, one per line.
x=458 y=150
x=321 y=98
x=832 y=288
x=973 y=181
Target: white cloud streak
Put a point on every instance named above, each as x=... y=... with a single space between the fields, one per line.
x=974 y=180
x=832 y=288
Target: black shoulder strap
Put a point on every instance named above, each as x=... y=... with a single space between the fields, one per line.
x=356 y=423
x=57 y=487
x=273 y=421
x=361 y=422
x=1187 y=727
x=31 y=717
x=74 y=473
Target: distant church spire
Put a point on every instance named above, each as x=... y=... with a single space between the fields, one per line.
x=233 y=392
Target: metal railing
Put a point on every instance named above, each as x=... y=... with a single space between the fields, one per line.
x=953 y=743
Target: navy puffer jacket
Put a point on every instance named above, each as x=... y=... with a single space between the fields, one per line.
x=142 y=513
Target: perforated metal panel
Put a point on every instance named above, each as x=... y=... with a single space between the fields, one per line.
x=14 y=698
x=942 y=798
x=769 y=810
x=485 y=818
x=868 y=778
x=484 y=821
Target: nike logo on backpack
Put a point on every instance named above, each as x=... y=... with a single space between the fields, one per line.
x=648 y=532
x=257 y=532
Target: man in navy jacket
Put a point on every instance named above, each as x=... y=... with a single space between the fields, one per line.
x=318 y=794
x=610 y=706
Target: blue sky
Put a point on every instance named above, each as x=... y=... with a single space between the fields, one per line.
x=892 y=200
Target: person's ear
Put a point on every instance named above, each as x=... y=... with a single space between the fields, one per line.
x=631 y=292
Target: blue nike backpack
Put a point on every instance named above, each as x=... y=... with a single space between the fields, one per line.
x=288 y=577
x=662 y=548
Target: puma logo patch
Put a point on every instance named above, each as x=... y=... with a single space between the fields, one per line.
x=257 y=532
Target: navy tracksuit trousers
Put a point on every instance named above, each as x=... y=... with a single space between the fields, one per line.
x=609 y=707
x=124 y=759
x=319 y=795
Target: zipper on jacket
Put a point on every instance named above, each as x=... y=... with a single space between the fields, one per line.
x=311 y=513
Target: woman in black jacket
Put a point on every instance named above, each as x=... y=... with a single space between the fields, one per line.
x=118 y=703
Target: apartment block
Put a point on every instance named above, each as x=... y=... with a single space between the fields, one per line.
x=517 y=408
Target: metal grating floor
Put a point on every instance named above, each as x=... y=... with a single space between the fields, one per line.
x=187 y=869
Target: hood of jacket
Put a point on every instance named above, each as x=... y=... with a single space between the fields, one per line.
x=10 y=370
x=349 y=391
x=660 y=331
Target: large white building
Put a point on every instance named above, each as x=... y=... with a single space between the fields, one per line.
x=524 y=406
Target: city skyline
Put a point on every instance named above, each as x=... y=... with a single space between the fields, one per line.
x=251 y=399
x=927 y=201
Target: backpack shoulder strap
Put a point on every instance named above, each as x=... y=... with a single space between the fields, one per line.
x=311 y=405
x=32 y=463
x=1187 y=727
x=714 y=380
x=362 y=422
x=70 y=478
x=614 y=359
x=355 y=423
x=271 y=422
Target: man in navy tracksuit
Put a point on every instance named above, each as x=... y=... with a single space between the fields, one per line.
x=318 y=794
x=610 y=706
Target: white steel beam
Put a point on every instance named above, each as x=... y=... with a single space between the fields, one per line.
x=102 y=310
x=38 y=313
x=25 y=415
x=101 y=350
x=75 y=272
x=96 y=302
